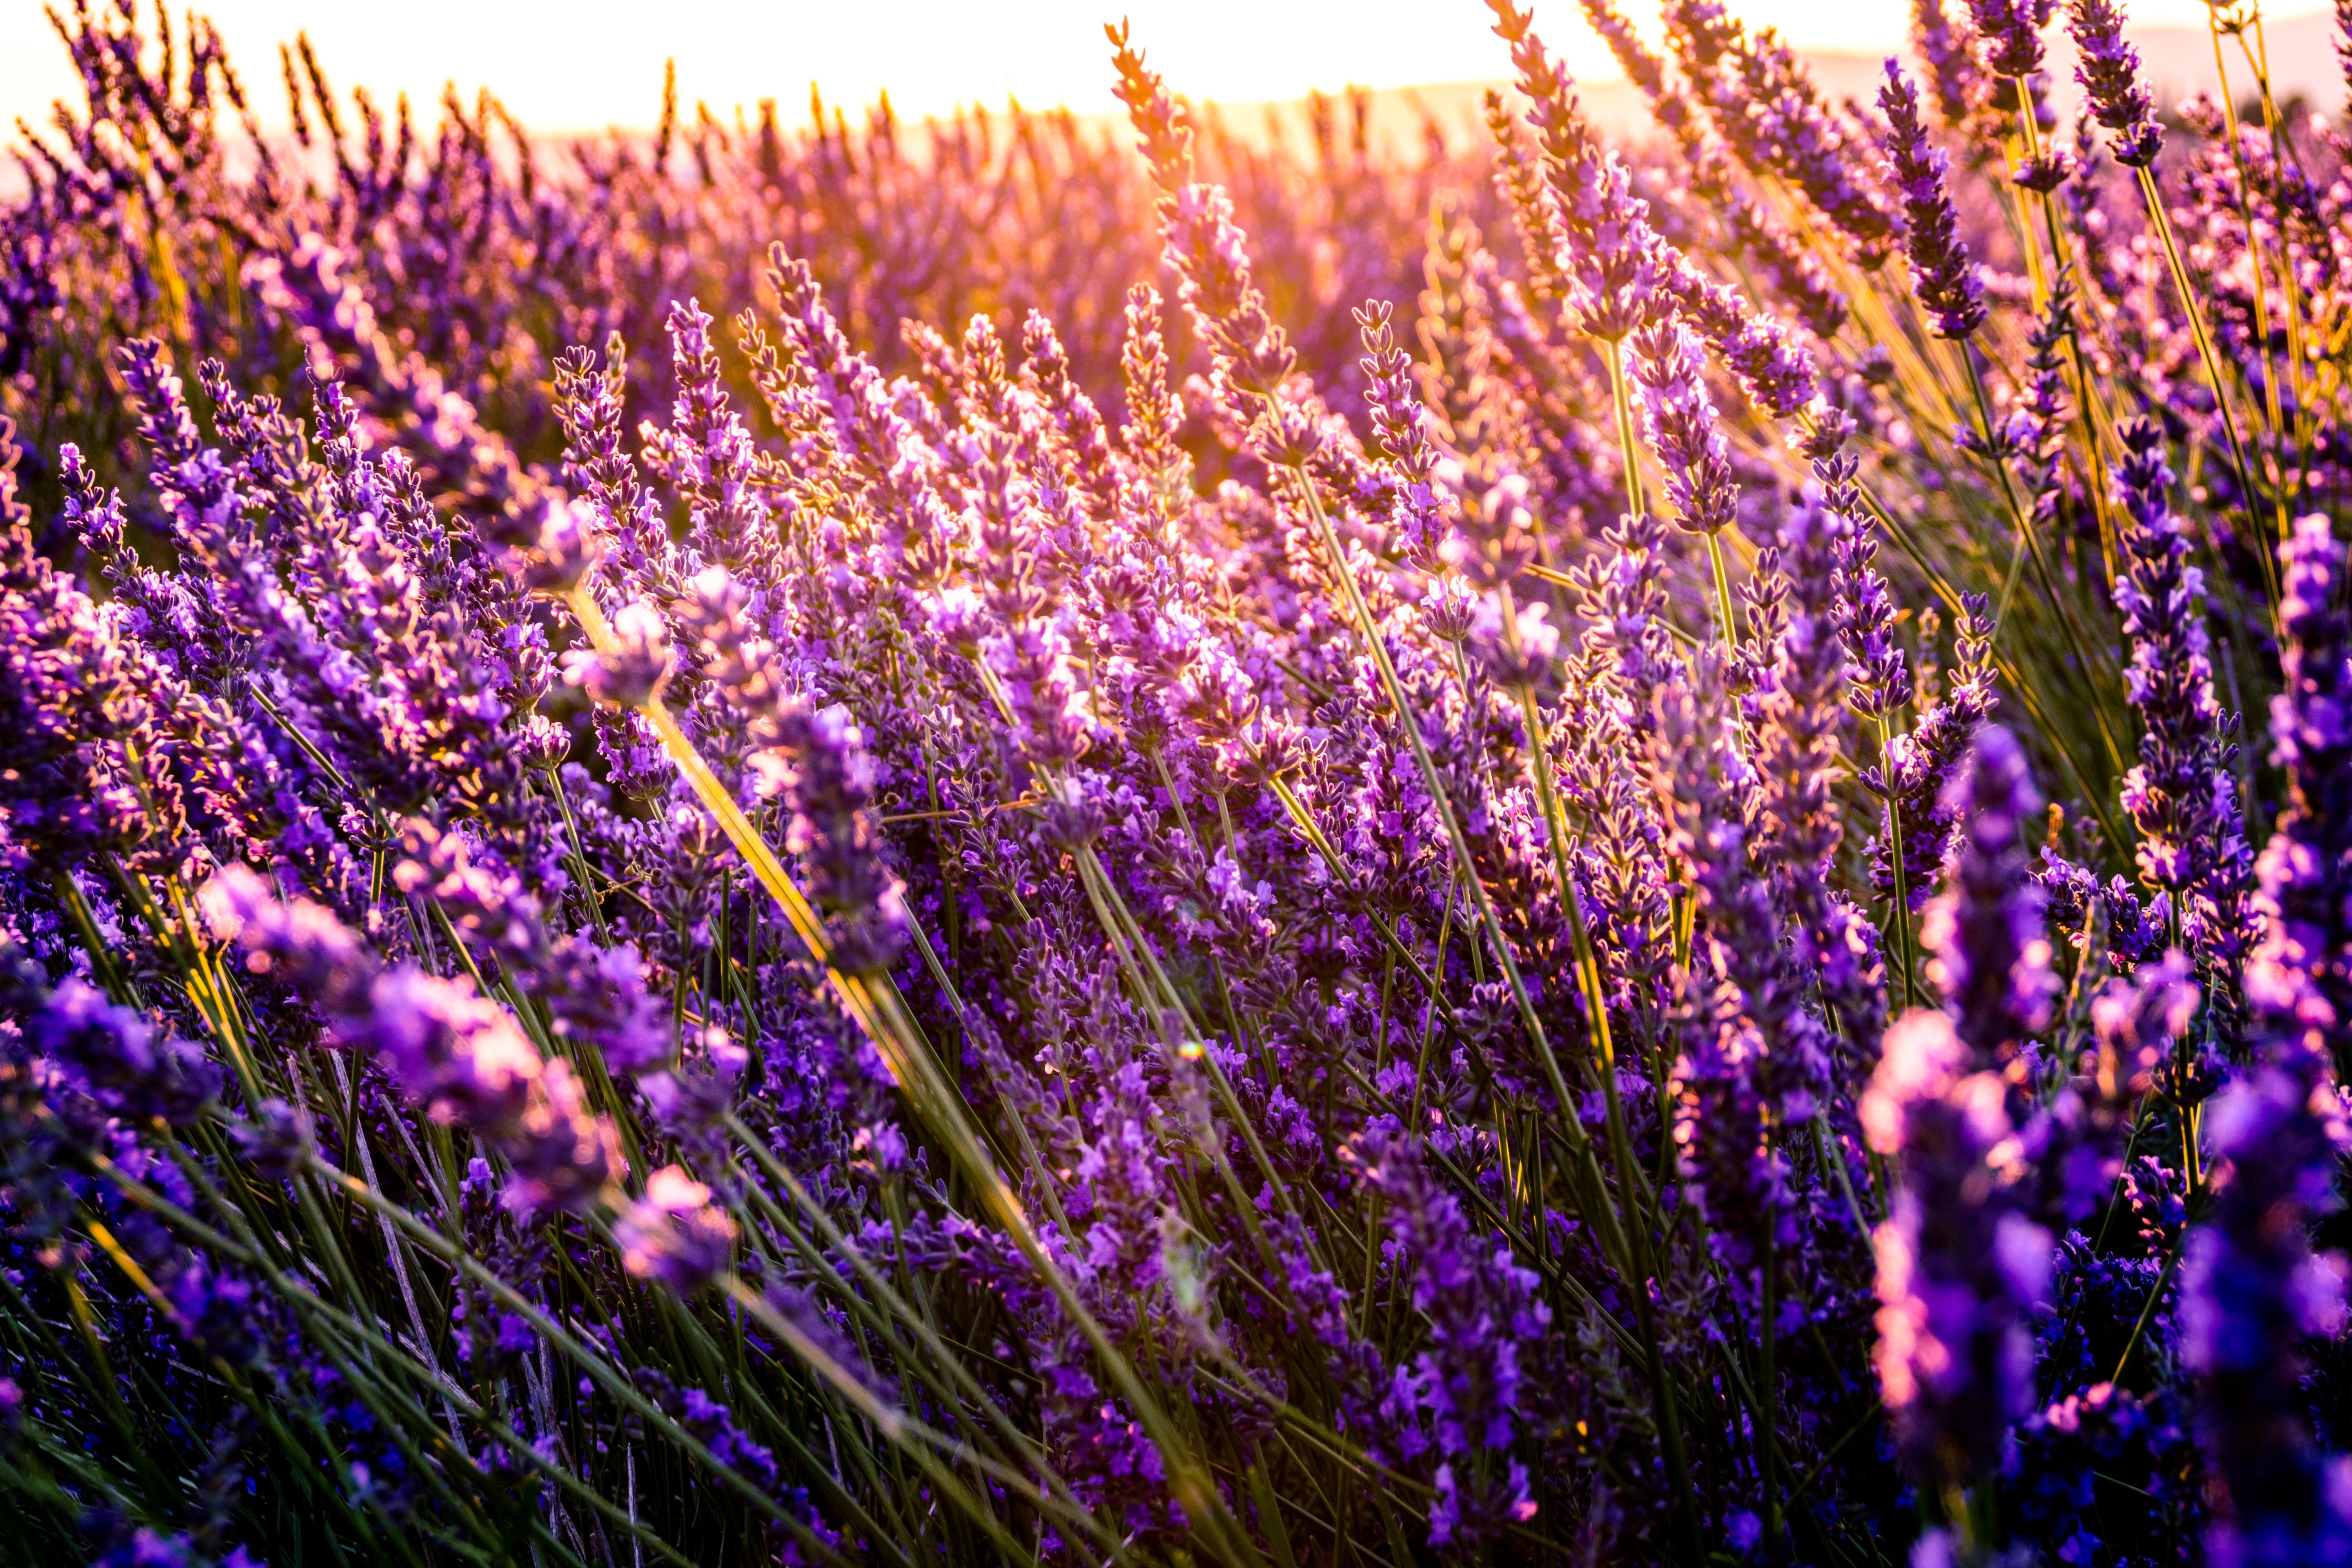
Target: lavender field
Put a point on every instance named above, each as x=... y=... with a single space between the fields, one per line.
x=806 y=839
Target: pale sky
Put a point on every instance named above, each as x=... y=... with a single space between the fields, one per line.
x=589 y=63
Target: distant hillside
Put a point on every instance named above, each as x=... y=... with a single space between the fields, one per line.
x=2179 y=61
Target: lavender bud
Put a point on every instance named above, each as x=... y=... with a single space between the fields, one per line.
x=295 y=939
x=1990 y=955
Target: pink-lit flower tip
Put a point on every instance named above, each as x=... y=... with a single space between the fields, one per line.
x=635 y=669
x=562 y=1155
x=674 y=1234
x=234 y=897
x=456 y=1051
x=1921 y=1059
x=301 y=942
x=717 y=596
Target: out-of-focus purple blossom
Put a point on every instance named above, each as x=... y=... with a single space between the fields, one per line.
x=455 y=1051
x=121 y=1058
x=1959 y=1267
x=598 y=997
x=1524 y=656
x=562 y=1153
x=450 y=1050
x=1494 y=534
x=292 y=939
x=147 y=1548
x=2009 y=32
x=674 y=1234
x=564 y=551
x=1942 y=48
x=2299 y=977
x=635 y=669
x=1985 y=934
x=2252 y=1293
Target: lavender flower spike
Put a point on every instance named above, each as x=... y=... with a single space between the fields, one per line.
x=1960 y=1262
x=1950 y=287
x=1987 y=932
x=2299 y=978
x=816 y=760
x=2182 y=795
x=2109 y=69
x=1959 y=1265
x=2253 y=1295
x=633 y=673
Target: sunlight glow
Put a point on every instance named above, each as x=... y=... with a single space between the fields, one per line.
x=585 y=65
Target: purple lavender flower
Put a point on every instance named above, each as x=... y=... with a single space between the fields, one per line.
x=121 y=1058
x=636 y=671
x=1986 y=933
x=2009 y=33
x=1679 y=418
x=1921 y=763
x=146 y=1548
x=2299 y=977
x=455 y=1052
x=1949 y=285
x=2182 y=797
x=674 y=1234
x=1959 y=1265
x=1753 y=1058
x=2109 y=67
x=2253 y=1294
x=1524 y=657
x=1881 y=682
x=2135 y=932
x=1801 y=711
x=294 y=940
x=450 y=1050
x=1769 y=112
x=815 y=760
x=1464 y=1399
x=1943 y=52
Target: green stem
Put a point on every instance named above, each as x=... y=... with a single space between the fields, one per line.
x=2161 y=221
x=1613 y=1235
x=872 y=1003
x=1902 y=916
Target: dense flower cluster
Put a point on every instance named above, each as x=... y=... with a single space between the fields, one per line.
x=1534 y=853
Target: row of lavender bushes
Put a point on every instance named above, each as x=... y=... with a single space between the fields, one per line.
x=1621 y=854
